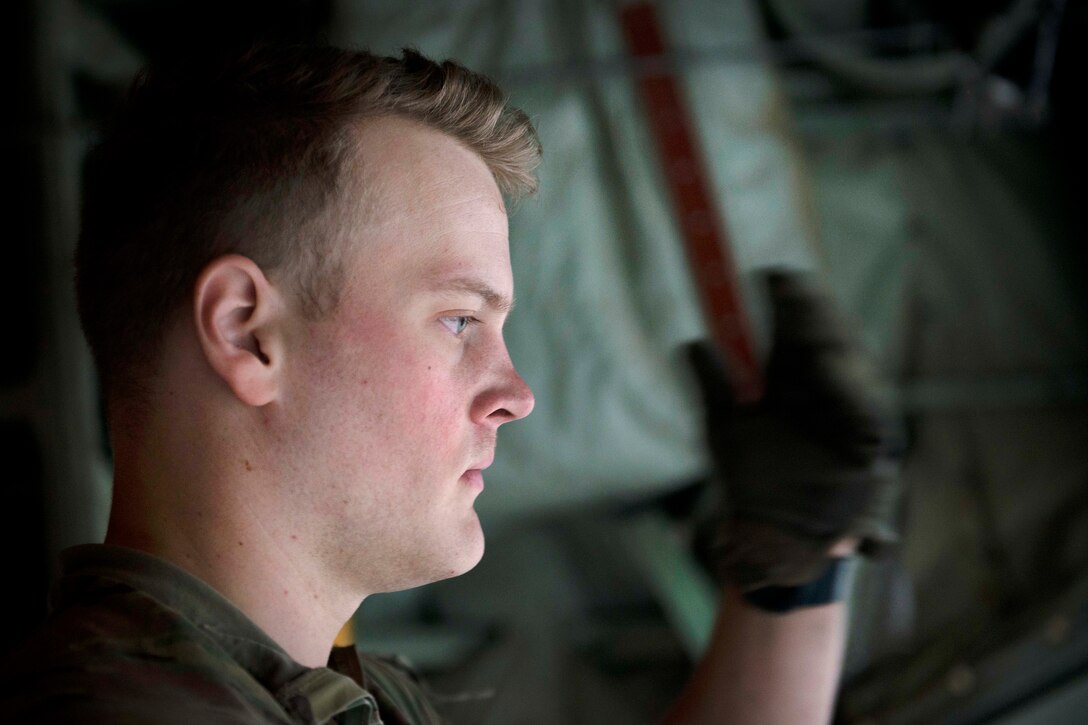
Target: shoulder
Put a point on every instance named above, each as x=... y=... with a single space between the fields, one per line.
x=122 y=657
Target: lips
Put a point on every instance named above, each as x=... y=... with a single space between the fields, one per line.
x=474 y=475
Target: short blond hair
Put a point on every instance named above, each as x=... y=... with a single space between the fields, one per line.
x=248 y=154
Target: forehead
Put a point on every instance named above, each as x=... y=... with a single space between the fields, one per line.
x=424 y=206
x=404 y=169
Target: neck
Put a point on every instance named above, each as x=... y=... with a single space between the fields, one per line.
x=205 y=507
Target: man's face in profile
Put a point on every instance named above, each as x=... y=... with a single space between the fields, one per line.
x=394 y=399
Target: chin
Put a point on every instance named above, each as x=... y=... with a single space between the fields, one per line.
x=470 y=555
x=467 y=552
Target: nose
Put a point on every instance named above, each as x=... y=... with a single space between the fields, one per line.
x=508 y=399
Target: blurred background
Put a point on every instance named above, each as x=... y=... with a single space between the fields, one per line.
x=923 y=157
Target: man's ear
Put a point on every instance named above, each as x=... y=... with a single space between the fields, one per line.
x=239 y=320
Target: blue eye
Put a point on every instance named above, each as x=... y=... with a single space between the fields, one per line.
x=457 y=324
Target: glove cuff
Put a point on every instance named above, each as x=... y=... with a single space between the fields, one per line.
x=831 y=586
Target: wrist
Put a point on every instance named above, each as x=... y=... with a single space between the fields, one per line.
x=831 y=586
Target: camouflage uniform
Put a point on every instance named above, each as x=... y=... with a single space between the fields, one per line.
x=131 y=638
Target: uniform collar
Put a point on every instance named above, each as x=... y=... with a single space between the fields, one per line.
x=307 y=694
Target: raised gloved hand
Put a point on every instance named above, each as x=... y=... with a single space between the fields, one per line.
x=810 y=464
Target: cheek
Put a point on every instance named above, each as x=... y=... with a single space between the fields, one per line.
x=402 y=393
x=422 y=405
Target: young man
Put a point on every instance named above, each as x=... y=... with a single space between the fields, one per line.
x=293 y=275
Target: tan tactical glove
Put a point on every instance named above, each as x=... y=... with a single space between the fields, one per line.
x=812 y=462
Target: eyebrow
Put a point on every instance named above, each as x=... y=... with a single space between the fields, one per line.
x=495 y=300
